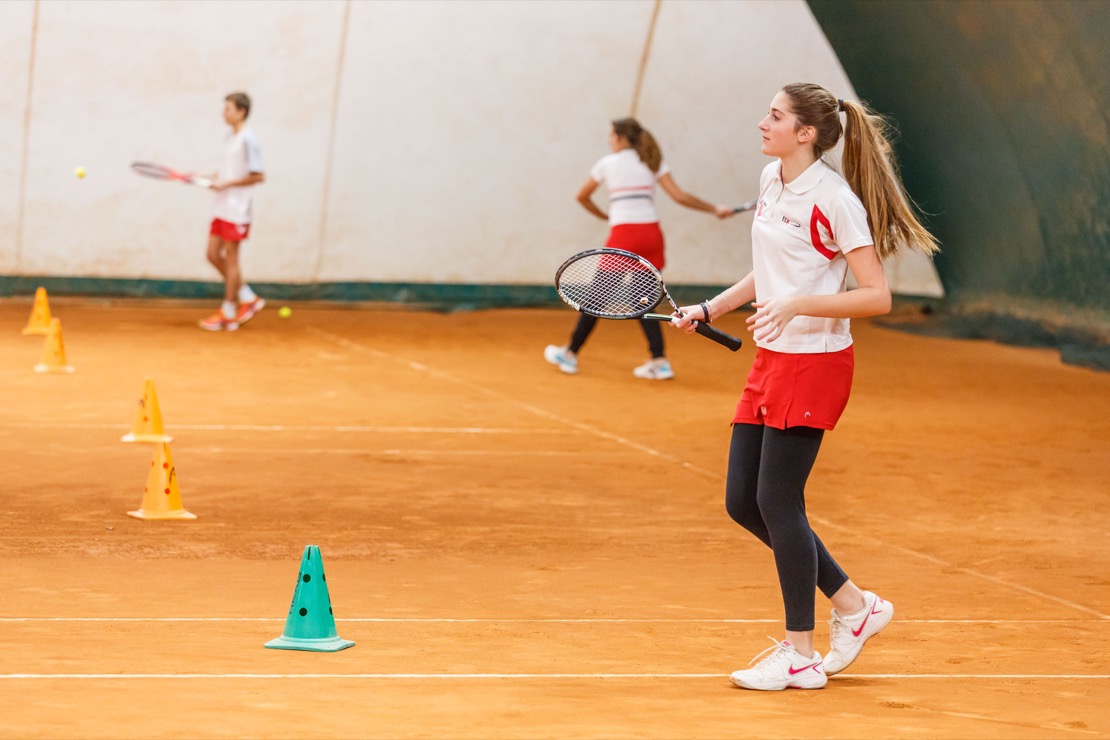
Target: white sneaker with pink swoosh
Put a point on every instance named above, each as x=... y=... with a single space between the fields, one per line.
x=784 y=668
x=847 y=634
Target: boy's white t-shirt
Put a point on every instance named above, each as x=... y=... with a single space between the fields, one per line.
x=631 y=185
x=800 y=235
x=242 y=156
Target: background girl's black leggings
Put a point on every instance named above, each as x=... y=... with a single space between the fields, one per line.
x=765 y=494
x=586 y=324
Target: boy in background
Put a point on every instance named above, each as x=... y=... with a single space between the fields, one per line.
x=241 y=170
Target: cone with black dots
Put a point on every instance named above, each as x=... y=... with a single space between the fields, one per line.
x=310 y=624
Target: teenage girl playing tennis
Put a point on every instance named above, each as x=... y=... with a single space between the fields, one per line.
x=630 y=174
x=811 y=226
x=242 y=168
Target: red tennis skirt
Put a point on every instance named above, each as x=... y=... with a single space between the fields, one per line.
x=228 y=231
x=645 y=240
x=796 y=390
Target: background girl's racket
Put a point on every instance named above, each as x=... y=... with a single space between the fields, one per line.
x=162 y=172
x=746 y=206
x=615 y=284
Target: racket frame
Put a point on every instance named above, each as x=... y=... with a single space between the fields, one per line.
x=722 y=338
x=157 y=171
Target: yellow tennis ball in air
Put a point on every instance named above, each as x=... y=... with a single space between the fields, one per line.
x=285 y=312
x=80 y=173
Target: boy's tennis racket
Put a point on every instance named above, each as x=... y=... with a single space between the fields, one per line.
x=162 y=172
x=615 y=284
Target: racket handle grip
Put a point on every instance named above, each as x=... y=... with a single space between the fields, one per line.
x=718 y=336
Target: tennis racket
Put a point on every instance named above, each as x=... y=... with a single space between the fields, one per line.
x=615 y=284
x=746 y=206
x=162 y=172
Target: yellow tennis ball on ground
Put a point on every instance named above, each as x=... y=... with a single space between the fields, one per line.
x=80 y=172
x=285 y=312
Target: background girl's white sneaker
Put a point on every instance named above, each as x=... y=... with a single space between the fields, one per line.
x=847 y=634
x=561 y=358
x=658 y=368
x=784 y=668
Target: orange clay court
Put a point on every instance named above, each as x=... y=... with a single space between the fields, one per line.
x=519 y=553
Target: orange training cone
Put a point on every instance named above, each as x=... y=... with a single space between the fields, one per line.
x=53 y=351
x=161 y=497
x=39 y=323
x=147 y=424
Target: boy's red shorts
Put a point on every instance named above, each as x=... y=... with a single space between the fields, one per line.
x=796 y=390
x=645 y=240
x=228 y=231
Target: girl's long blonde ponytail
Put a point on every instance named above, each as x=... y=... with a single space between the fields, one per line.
x=870 y=169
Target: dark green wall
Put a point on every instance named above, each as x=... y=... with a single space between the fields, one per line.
x=1004 y=139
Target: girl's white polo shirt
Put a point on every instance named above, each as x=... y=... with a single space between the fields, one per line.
x=631 y=185
x=799 y=237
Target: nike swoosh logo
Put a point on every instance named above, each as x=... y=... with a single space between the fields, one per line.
x=812 y=665
x=857 y=633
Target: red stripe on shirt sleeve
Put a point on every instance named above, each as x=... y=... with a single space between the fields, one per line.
x=815 y=219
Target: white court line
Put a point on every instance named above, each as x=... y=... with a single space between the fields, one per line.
x=549 y=620
x=687 y=465
x=290 y=428
x=392 y=453
x=534 y=410
x=960 y=568
x=565 y=676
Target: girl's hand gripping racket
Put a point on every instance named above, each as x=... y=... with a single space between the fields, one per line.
x=162 y=172
x=615 y=284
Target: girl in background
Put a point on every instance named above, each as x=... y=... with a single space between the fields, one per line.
x=631 y=173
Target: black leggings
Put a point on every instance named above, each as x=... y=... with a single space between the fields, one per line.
x=765 y=494
x=586 y=324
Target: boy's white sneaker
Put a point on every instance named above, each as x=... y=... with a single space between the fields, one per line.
x=658 y=368
x=847 y=634
x=784 y=668
x=561 y=358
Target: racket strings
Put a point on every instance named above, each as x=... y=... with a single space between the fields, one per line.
x=610 y=285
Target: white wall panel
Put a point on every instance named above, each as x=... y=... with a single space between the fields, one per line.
x=15 y=57
x=465 y=130
x=120 y=81
x=462 y=130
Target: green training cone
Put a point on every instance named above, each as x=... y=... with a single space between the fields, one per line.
x=310 y=624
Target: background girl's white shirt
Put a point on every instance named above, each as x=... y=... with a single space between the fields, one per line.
x=242 y=156
x=631 y=186
x=800 y=234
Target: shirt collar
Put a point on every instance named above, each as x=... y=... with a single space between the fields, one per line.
x=808 y=179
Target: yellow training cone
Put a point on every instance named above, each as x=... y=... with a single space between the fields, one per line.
x=161 y=497
x=147 y=424
x=39 y=323
x=53 y=351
